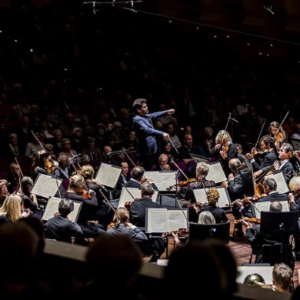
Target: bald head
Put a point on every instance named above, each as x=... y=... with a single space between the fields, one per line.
x=234 y=164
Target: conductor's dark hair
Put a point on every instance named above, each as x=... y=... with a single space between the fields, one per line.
x=137 y=173
x=268 y=140
x=137 y=104
x=271 y=183
x=65 y=207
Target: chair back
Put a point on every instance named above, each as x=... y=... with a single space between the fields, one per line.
x=219 y=231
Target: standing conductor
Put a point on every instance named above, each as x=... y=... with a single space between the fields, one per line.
x=146 y=133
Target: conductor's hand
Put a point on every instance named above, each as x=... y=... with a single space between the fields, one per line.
x=171 y=111
x=166 y=136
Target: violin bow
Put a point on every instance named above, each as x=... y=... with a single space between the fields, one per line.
x=42 y=146
x=229 y=117
x=21 y=173
x=128 y=191
x=260 y=133
x=176 y=150
x=103 y=195
x=281 y=123
x=172 y=161
x=125 y=152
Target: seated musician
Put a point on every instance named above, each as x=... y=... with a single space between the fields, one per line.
x=270 y=189
x=284 y=164
x=257 y=239
x=103 y=213
x=138 y=217
x=123 y=179
x=63 y=169
x=224 y=150
x=202 y=170
x=76 y=192
x=262 y=165
x=212 y=206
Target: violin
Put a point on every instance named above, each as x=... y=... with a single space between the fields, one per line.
x=182 y=232
x=256 y=153
x=49 y=165
x=251 y=220
x=127 y=205
x=254 y=198
x=224 y=151
x=84 y=194
x=183 y=183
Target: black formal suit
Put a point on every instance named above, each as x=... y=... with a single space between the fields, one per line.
x=287 y=170
x=274 y=197
x=118 y=188
x=133 y=184
x=266 y=163
x=138 y=211
x=217 y=212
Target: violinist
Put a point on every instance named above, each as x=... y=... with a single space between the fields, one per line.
x=123 y=179
x=202 y=170
x=284 y=164
x=277 y=132
x=89 y=228
x=138 y=218
x=103 y=212
x=262 y=165
x=212 y=206
x=63 y=171
x=224 y=149
x=257 y=239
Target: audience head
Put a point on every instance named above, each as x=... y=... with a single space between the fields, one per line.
x=282 y=277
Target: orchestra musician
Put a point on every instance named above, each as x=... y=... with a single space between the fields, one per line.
x=63 y=170
x=269 y=156
x=212 y=206
x=277 y=132
x=284 y=164
x=76 y=185
x=224 y=149
x=270 y=189
x=202 y=170
x=138 y=218
x=123 y=179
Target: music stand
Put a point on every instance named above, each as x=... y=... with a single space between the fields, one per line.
x=279 y=223
x=218 y=231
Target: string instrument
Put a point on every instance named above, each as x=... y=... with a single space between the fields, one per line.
x=84 y=193
x=110 y=225
x=182 y=232
x=251 y=220
x=280 y=136
x=127 y=205
x=172 y=161
x=224 y=151
x=183 y=183
x=247 y=200
x=258 y=154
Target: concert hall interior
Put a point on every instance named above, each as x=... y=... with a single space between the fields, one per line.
x=124 y=122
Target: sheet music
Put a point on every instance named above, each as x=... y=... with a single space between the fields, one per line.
x=136 y=193
x=200 y=196
x=198 y=158
x=265 y=206
x=161 y=220
x=162 y=179
x=264 y=271
x=52 y=208
x=216 y=173
x=46 y=186
x=281 y=183
x=108 y=175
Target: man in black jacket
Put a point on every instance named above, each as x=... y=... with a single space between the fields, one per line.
x=270 y=187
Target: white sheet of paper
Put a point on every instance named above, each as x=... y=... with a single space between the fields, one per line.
x=162 y=180
x=216 y=173
x=281 y=183
x=265 y=206
x=46 y=186
x=108 y=175
x=135 y=192
x=200 y=196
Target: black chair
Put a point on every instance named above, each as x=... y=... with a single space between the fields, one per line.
x=217 y=231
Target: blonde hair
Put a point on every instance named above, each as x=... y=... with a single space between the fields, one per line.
x=12 y=207
x=202 y=168
x=76 y=181
x=223 y=137
x=121 y=216
x=87 y=172
x=212 y=195
x=206 y=217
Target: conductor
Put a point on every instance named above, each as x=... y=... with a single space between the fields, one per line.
x=146 y=133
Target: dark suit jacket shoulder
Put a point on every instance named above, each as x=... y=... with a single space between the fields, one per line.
x=274 y=197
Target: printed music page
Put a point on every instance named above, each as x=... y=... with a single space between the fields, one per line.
x=162 y=179
x=216 y=173
x=52 y=208
x=200 y=196
x=46 y=186
x=135 y=192
x=156 y=220
x=265 y=206
x=264 y=271
x=176 y=219
x=281 y=183
x=108 y=175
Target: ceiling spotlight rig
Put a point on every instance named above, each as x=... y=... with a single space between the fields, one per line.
x=112 y=3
